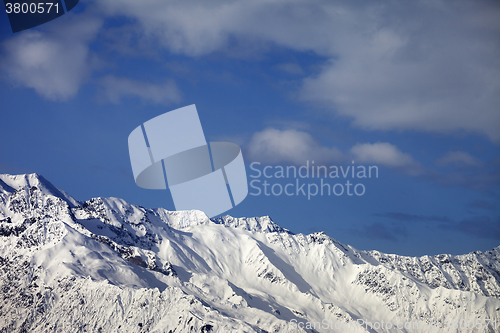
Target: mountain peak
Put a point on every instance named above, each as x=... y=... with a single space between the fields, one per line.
x=105 y=259
x=255 y=224
x=10 y=183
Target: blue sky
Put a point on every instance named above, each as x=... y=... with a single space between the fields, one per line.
x=413 y=88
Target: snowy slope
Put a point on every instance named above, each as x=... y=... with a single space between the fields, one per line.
x=106 y=265
x=11 y=183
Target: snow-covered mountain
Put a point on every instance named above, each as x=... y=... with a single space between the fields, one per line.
x=105 y=265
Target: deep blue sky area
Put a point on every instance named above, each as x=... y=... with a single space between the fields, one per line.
x=412 y=89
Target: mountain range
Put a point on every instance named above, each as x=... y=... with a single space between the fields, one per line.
x=105 y=265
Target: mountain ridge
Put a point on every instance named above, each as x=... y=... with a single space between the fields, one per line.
x=256 y=275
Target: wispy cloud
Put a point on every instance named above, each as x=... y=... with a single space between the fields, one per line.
x=482 y=204
x=479 y=226
x=290 y=68
x=458 y=158
x=404 y=217
x=117 y=88
x=377 y=230
x=481 y=176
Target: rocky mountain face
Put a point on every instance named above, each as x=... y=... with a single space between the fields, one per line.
x=105 y=265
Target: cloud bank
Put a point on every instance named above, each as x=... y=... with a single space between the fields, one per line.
x=292 y=146
x=419 y=65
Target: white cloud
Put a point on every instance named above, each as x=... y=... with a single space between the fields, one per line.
x=383 y=153
x=296 y=147
x=289 y=146
x=200 y=27
x=420 y=65
x=435 y=68
x=116 y=88
x=55 y=62
x=458 y=158
x=290 y=68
